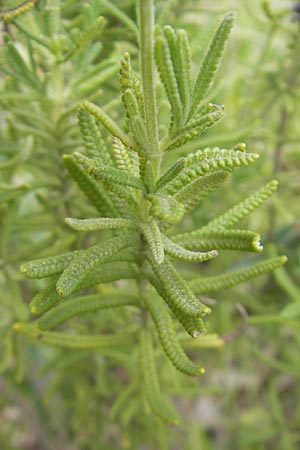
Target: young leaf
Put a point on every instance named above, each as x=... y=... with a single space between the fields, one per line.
x=131 y=104
x=129 y=80
x=184 y=69
x=166 y=208
x=210 y=62
x=168 y=78
x=195 y=127
x=48 y=297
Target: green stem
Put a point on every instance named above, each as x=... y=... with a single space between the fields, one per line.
x=147 y=63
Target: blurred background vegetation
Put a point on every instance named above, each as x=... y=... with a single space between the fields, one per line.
x=249 y=396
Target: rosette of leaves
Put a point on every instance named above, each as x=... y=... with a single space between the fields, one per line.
x=140 y=205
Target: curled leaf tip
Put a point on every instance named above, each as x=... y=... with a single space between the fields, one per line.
x=60 y=292
x=257 y=245
x=205 y=311
x=283 y=259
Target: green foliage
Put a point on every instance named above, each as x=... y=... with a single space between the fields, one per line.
x=142 y=173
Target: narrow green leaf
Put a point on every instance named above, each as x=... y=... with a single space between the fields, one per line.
x=10 y=14
x=178 y=252
x=206 y=166
x=93 y=191
x=202 y=285
x=139 y=131
x=131 y=103
x=210 y=62
x=196 y=127
x=81 y=305
x=184 y=69
x=178 y=295
x=46 y=267
x=168 y=78
x=168 y=339
x=109 y=124
x=48 y=297
x=171 y=173
x=20 y=157
x=98 y=224
x=191 y=195
x=95 y=145
x=74 y=341
x=243 y=209
x=153 y=238
x=125 y=158
x=220 y=239
x=129 y=80
x=150 y=381
x=193 y=325
x=105 y=173
x=92 y=32
x=18 y=64
x=120 y=16
x=89 y=259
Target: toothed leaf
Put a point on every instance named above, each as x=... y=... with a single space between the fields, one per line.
x=89 y=259
x=98 y=224
x=210 y=62
x=153 y=238
x=243 y=209
x=168 y=339
x=202 y=285
x=81 y=305
x=150 y=381
x=205 y=240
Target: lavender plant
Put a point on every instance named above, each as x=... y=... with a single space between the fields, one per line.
x=139 y=205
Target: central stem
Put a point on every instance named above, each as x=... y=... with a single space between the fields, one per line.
x=147 y=63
